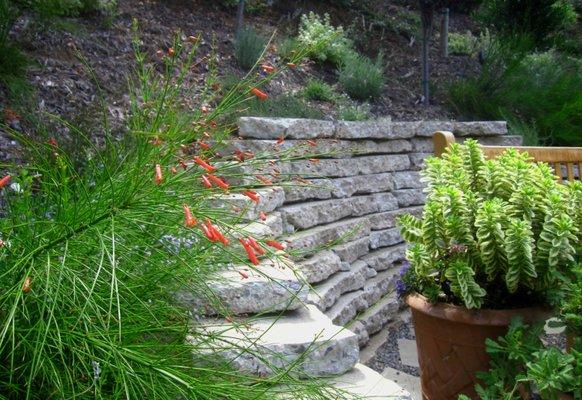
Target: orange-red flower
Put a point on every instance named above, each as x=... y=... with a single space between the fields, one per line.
x=26 y=284
x=189 y=220
x=267 y=68
x=173 y=170
x=312 y=143
x=183 y=164
x=243 y=274
x=292 y=65
x=256 y=247
x=159 y=177
x=208 y=233
x=259 y=93
x=171 y=52
x=275 y=244
x=203 y=146
x=53 y=142
x=281 y=139
x=4 y=181
x=250 y=252
x=216 y=234
x=206 y=182
x=206 y=135
x=264 y=180
x=251 y=194
x=204 y=164
x=218 y=181
x=262 y=216
x=314 y=160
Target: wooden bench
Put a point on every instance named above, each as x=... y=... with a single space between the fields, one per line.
x=566 y=161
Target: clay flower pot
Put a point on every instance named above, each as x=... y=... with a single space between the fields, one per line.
x=451 y=343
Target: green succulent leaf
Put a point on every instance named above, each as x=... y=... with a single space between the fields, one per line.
x=463 y=284
x=518 y=245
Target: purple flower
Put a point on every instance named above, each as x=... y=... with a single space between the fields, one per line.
x=401 y=287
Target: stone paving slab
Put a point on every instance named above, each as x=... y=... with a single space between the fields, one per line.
x=365 y=383
x=304 y=336
x=410 y=382
x=271 y=286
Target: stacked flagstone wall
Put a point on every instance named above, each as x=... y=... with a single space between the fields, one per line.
x=340 y=210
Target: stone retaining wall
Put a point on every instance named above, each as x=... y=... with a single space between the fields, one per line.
x=356 y=178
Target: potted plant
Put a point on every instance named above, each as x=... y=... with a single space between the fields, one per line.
x=494 y=238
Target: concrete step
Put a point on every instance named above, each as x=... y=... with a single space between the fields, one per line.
x=304 y=338
x=274 y=285
x=362 y=382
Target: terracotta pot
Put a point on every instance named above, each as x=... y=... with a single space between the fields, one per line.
x=451 y=343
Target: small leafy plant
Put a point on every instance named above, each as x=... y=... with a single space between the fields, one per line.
x=313 y=29
x=248 y=48
x=494 y=233
x=318 y=90
x=361 y=77
x=522 y=365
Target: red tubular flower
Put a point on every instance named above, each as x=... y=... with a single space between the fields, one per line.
x=312 y=143
x=259 y=93
x=218 y=181
x=159 y=177
x=263 y=216
x=314 y=160
x=208 y=233
x=26 y=284
x=206 y=182
x=267 y=68
x=218 y=236
x=171 y=52
x=255 y=245
x=250 y=252
x=239 y=155
x=173 y=170
x=189 y=220
x=4 y=181
x=281 y=139
x=243 y=274
x=183 y=165
x=204 y=146
x=53 y=142
x=292 y=65
x=251 y=194
x=275 y=244
x=206 y=135
x=264 y=180
x=204 y=164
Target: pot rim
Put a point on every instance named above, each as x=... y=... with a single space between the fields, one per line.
x=489 y=317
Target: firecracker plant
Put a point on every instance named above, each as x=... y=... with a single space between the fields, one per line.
x=494 y=233
x=91 y=253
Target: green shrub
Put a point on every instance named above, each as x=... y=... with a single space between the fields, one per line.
x=462 y=43
x=286 y=106
x=248 y=48
x=288 y=48
x=361 y=77
x=542 y=90
x=314 y=31
x=318 y=90
x=355 y=112
x=68 y=8
x=545 y=21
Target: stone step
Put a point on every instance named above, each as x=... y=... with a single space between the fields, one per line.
x=385 y=238
x=308 y=240
x=351 y=251
x=385 y=220
x=320 y=266
x=362 y=382
x=274 y=285
x=409 y=197
x=379 y=314
x=327 y=293
x=385 y=258
x=347 y=307
x=272 y=227
x=306 y=215
x=344 y=167
x=241 y=205
x=334 y=148
x=305 y=337
x=380 y=285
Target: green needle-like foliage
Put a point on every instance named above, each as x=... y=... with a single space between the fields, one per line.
x=494 y=233
x=92 y=254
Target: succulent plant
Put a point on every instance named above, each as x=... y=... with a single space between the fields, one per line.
x=494 y=233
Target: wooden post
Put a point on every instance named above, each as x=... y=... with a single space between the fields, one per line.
x=444 y=45
x=239 y=16
x=427 y=12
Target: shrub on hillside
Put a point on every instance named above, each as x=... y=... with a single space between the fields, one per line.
x=545 y=21
x=541 y=92
x=462 y=43
x=361 y=77
x=248 y=48
x=286 y=106
x=318 y=90
x=314 y=30
x=67 y=8
x=355 y=112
